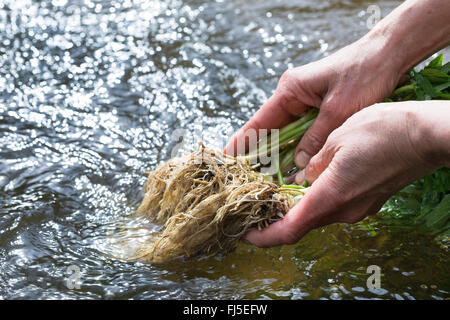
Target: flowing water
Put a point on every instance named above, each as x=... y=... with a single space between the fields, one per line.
x=93 y=93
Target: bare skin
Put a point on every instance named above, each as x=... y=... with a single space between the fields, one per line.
x=373 y=155
x=340 y=85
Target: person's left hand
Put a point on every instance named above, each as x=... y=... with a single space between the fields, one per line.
x=374 y=154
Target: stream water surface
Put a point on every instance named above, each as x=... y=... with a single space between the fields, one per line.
x=91 y=94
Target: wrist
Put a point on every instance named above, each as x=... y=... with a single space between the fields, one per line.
x=383 y=53
x=440 y=130
x=432 y=119
x=412 y=32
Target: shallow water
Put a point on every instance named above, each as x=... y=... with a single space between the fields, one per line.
x=93 y=93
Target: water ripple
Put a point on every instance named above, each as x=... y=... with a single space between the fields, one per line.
x=93 y=93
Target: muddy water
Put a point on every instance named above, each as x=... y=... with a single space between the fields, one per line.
x=93 y=93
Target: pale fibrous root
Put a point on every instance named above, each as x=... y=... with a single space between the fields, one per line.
x=206 y=201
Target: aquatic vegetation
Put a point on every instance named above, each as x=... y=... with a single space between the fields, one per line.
x=432 y=82
x=423 y=206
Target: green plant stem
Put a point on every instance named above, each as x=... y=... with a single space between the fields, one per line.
x=292 y=189
x=442 y=86
x=292 y=186
x=286 y=138
x=286 y=132
x=409 y=88
x=279 y=173
x=287 y=158
x=310 y=114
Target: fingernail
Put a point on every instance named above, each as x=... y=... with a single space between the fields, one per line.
x=300 y=177
x=290 y=179
x=302 y=159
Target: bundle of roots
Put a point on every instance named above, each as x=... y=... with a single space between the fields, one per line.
x=206 y=201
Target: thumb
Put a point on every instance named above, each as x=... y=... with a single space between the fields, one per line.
x=315 y=136
x=321 y=199
x=275 y=113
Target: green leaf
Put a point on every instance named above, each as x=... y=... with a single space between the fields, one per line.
x=424 y=85
x=421 y=96
x=435 y=75
x=438 y=217
x=446 y=68
x=444 y=96
x=436 y=62
x=404 y=91
x=423 y=206
x=442 y=86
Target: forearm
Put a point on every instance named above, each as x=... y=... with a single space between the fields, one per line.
x=412 y=32
x=430 y=130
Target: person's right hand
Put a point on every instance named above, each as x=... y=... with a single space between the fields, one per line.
x=354 y=77
x=373 y=155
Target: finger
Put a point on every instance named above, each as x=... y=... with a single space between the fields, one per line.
x=315 y=137
x=355 y=211
x=320 y=199
x=349 y=213
x=317 y=164
x=320 y=162
x=300 y=178
x=277 y=112
x=274 y=235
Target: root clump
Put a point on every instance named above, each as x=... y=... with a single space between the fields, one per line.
x=206 y=201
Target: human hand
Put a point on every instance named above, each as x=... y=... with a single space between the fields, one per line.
x=373 y=155
x=340 y=85
x=355 y=77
